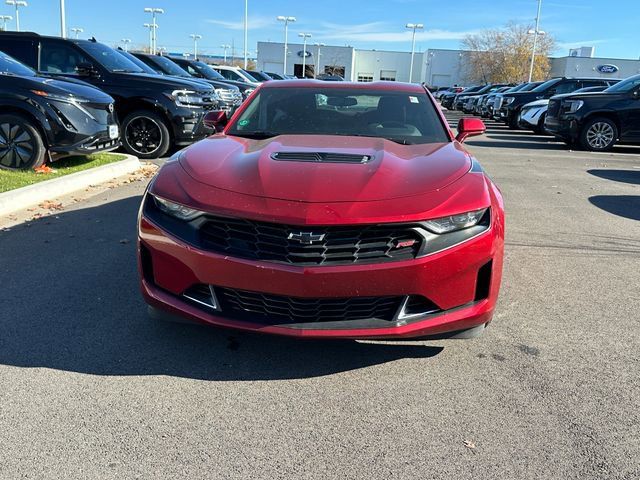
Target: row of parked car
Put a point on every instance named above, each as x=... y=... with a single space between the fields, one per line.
x=61 y=97
x=590 y=113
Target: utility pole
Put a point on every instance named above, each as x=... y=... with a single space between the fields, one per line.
x=304 y=52
x=414 y=27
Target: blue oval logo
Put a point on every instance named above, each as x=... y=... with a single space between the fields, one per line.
x=306 y=54
x=607 y=68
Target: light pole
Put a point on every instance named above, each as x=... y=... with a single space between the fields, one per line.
x=161 y=50
x=286 y=21
x=535 y=33
x=246 y=33
x=430 y=65
x=154 y=37
x=17 y=4
x=414 y=27
x=195 y=37
x=225 y=48
x=304 y=37
x=126 y=42
x=5 y=19
x=317 y=69
x=63 y=21
x=151 y=27
x=77 y=30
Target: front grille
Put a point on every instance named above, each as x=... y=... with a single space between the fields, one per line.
x=100 y=112
x=275 y=309
x=554 y=109
x=231 y=97
x=325 y=157
x=290 y=244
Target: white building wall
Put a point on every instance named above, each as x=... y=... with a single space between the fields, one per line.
x=271 y=57
x=588 y=67
x=385 y=64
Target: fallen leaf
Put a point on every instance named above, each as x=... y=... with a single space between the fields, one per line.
x=44 y=169
x=470 y=445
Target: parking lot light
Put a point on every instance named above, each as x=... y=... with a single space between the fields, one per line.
x=151 y=27
x=5 y=19
x=226 y=48
x=414 y=27
x=77 y=30
x=304 y=37
x=154 y=25
x=286 y=21
x=17 y=4
x=126 y=42
x=535 y=34
x=315 y=72
x=195 y=38
x=246 y=33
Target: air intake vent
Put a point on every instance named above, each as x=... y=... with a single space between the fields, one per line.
x=320 y=157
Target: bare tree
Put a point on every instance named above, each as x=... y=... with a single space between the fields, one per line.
x=504 y=55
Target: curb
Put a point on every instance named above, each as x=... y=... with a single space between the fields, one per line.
x=24 y=197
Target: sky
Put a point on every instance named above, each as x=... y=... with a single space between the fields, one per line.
x=367 y=24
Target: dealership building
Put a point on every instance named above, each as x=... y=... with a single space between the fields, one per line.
x=436 y=67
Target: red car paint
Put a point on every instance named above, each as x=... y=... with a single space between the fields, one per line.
x=236 y=177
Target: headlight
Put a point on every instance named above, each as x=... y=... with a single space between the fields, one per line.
x=248 y=92
x=454 y=223
x=187 y=98
x=60 y=98
x=176 y=210
x=572 y=106
x=508 y=100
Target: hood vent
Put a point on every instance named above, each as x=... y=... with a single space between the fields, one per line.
x=321 y=157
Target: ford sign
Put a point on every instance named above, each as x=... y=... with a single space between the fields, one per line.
x=607 y=68
x=307 y=54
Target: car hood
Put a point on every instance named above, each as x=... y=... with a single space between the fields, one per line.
x=76 y=88
x=538 y=103
x=149 y=81
x=586 y=95
x=246 y=166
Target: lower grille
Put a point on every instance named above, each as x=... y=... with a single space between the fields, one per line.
x=274 y=309
x=308 y=246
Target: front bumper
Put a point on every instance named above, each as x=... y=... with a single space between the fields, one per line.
x=463 y=281
x=188 y=126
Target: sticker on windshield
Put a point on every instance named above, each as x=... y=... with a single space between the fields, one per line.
x=243 y=123
x=414 y=100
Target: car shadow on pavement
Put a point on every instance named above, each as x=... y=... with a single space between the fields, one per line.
x=527 y=144
x=623 y=176
x=627 y=206
x=71 y=302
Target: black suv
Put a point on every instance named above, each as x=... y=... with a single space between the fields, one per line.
x=201 y=70
x=40 y=115
x=229 y=96
x=448 y=99
x=596 y=121
x=155 y=111
x=513 y=103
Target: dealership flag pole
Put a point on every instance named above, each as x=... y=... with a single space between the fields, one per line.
x=535 y=40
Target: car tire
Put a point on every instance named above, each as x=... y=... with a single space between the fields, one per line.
x=513 y=122
x=21 y=145
x=145 y=134
x=599 y=135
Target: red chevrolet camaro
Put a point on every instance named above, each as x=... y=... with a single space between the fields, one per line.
x=326 y=209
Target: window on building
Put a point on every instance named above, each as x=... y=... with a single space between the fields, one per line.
x=365 y=77
x=334 y=70
x=388 y=75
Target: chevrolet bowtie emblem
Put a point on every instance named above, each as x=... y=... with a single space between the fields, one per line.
x=306 y=238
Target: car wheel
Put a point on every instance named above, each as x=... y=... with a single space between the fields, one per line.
x=145 y=135
x=599 y=135
x=21 y=145
x=513 y=122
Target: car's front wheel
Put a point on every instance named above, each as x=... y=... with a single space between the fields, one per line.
x=539 y=130
x=21 y=145
x=145 y=135
x=599 y=135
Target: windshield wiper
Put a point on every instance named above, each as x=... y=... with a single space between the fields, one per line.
x=401 y=141
x=258 y=134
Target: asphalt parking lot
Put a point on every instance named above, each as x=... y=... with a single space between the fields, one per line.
x=90 y=388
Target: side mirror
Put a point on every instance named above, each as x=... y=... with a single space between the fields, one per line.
x=470 y=127
x=216 y=120
x=86 y=70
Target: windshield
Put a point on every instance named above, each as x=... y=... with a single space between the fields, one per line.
x=403 y=117
x=169 y=67
x=109 y=58
x=10 y=66
x=207 y=71
x=544 y=86
x=138 y=62
x=628 y=85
